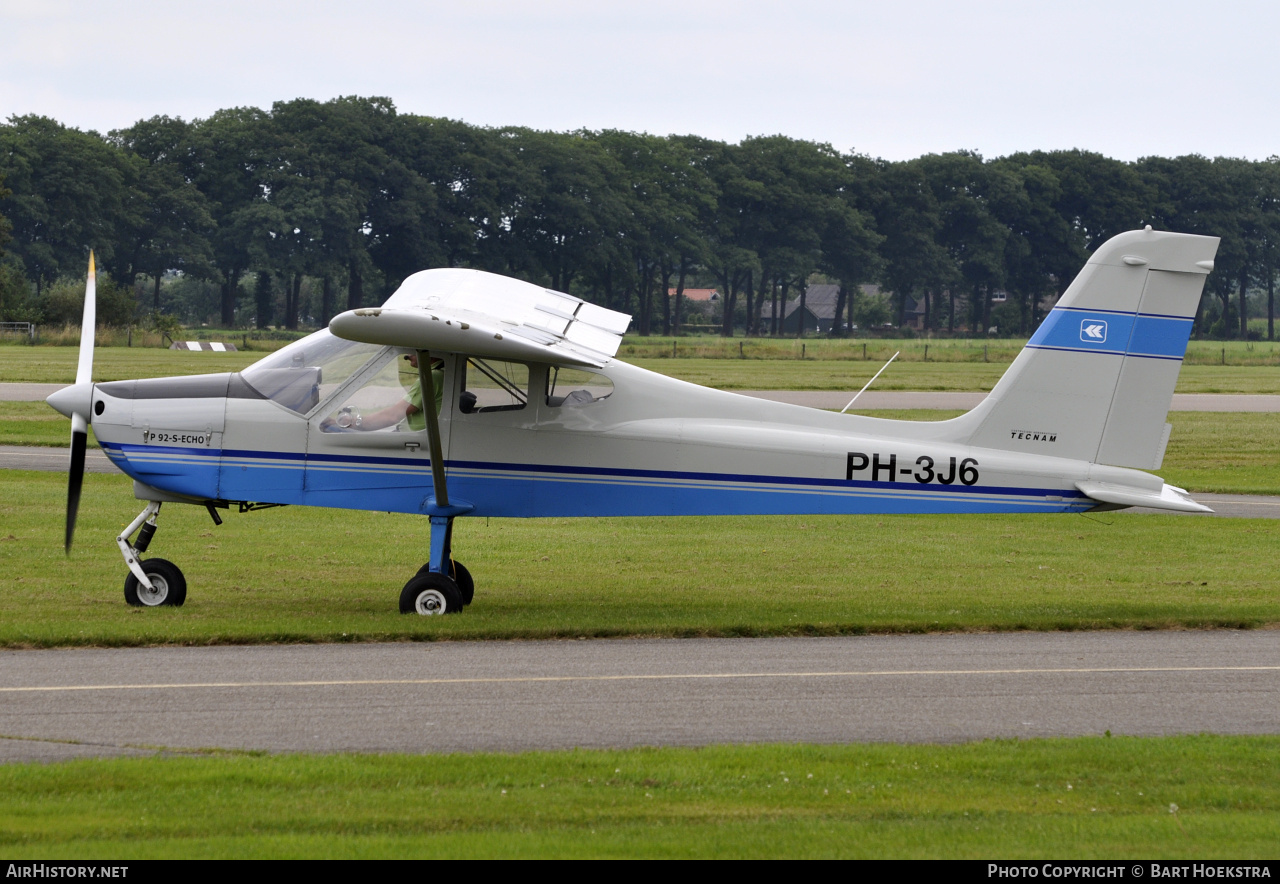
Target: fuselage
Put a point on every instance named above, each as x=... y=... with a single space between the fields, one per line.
x=629 y=442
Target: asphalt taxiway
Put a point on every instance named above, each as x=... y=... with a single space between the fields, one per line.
x=517 y=696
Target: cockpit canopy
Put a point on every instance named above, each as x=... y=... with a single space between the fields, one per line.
x=300 y=375
x=306 y=372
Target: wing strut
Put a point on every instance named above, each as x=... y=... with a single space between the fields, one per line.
x=428 y=386
x=438 y=508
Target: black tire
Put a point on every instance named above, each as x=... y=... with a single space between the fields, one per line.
x=461 y=576
x=466 y=586
x=430 y=594
x=169 y=586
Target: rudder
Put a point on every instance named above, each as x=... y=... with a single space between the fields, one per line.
x=1096 y=380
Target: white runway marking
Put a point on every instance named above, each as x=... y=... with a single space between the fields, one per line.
x=546 y=679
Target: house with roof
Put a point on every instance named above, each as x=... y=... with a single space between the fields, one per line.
x=820 y=309
x=699 y=305
x=818 y=314
x=701 y=295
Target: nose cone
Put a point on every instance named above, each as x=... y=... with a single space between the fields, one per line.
x=76 y=399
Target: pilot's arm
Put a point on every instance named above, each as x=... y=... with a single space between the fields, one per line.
x=389 y=416
x=408 y=409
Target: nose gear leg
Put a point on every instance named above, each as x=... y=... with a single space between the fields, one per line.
x=147 y=522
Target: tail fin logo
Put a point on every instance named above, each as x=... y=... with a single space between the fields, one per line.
x=1093 y=331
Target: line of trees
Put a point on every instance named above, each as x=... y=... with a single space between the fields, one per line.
x=341 y=200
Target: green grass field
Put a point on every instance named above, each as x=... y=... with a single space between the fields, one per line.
x=830 y=365
x=57 y=365
x=35 y=423
x=1209 y=452
x=959 y=377
x=1224 y=453
x=1095 y=797
x=306 y=574
x=878 y=350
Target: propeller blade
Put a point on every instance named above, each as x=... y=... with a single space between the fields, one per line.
x=81 y=416
x=75 y=477
x=88 y=325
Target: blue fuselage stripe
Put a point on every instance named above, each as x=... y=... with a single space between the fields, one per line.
x=403 y=485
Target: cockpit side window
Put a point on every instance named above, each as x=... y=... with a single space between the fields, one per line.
x=302 y=374
x=572 y=387
x=493 y=385
x=387 y=398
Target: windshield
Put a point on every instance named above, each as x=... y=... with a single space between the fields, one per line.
x=300 y=375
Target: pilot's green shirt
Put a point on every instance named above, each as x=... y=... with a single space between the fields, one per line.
x=418 y=420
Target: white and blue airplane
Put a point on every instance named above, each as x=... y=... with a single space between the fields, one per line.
x=536 y=417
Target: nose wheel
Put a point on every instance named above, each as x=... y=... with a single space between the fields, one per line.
x=168 y=586
x=154 y=582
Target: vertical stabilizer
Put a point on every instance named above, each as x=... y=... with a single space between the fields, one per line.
x=1096 y=380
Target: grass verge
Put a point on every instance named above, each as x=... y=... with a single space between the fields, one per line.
x=1224 y=453
x=1209 y=452
x=826 y=367
x=57 y=365
x=958 y=377
x=305 y=574
x=35 y=423
x=1199 y=797
x=920 y=349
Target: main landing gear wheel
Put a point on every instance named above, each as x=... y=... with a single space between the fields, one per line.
x=430 y=594
x=461 y=576
x=168 y=586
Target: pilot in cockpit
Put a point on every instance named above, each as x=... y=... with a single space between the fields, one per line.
x=408 y=409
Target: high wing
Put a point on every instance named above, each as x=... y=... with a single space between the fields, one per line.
x=482 y=314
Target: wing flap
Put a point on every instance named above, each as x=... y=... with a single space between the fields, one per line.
x=592 y=338
x=483 y=314
x=613 y=322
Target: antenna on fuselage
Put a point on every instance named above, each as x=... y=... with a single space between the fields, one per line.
x=869 y=383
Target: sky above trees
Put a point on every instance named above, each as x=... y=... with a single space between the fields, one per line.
x=894 y=80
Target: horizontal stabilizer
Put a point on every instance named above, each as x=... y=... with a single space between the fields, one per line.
x=482 y=314
x=1167 y=498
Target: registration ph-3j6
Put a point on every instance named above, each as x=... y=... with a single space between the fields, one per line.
x=515 y=406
